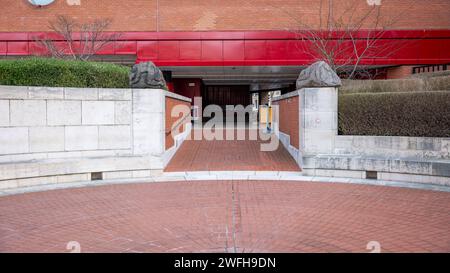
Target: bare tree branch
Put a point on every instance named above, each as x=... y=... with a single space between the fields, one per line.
x=78 y=41
x=339 y=41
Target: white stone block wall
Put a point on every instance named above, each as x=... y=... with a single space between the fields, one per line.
x=97 y=113
x=65 y=134
x=81 y=138
x=325 y=153
x=27 y=113
x=114 y=137
x=46 y=139
x=63 y=112
x=319 y=133
x=318 y=113
x=148 y=116
x=394 y=146
x=4 y=112
x=318 y=120
x=41 y=122
x=14 y=140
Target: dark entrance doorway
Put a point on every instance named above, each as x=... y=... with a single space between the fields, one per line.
x=223 y=95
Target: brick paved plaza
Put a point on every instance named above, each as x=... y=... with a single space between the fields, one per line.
x=190 y=126
x=227 y=216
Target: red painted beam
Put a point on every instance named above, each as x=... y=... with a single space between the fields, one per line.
x=244 y=48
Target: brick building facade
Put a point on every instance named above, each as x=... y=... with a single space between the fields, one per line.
x=219 y=15
x=234 y=42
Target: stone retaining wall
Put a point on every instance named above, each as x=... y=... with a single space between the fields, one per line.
x=53 y=135
x=47 y=123
x=394 y=146
x=323 y=152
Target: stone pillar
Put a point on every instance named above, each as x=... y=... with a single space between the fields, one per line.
x=318 y=120
x=318 y=94
x=148 y=122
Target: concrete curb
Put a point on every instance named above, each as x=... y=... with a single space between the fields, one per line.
x=225 y=175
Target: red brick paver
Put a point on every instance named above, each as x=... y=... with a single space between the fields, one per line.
x=227 y=216
x=230 y=155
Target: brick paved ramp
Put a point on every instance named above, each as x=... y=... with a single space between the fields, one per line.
x=230 y=155
x=227 y=216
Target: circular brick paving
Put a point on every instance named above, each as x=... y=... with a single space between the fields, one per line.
x=226 y=216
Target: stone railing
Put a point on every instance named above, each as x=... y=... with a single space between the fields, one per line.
x=54 y=135
x=177 y=123
x=288 y=122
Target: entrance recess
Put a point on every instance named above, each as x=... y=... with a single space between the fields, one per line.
x=223 y=95
x=249 y=92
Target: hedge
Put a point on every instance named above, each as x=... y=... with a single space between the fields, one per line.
x=58 y=73
x=421 y=114
x=424 y=83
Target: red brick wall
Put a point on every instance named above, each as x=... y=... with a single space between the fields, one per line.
x=196 y=15
x=289 y=118
x=399 y=72
x=170 y=121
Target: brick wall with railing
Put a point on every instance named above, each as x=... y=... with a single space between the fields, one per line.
x=177 y=115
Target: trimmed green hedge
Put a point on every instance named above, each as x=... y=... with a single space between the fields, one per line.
x=424 y=83
x=59 y=73
x=421 y=114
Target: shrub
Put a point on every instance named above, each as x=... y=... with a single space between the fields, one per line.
x=58 y=73
x=424 y=114
x=377 y=86
x=437 y=83
x=425 y=83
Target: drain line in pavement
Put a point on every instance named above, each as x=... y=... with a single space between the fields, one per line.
x=236 y=215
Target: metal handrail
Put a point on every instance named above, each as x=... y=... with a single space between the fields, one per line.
x=168 y=131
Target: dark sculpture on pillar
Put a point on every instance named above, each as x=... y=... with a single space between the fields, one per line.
x=319 y=74
x=147 y=75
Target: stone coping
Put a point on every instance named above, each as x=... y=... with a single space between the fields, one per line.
x=372 y=163
x=289 y=177
x=176 y=96
x=287 y=95
x=76 y=165
x=297 y=93
x=68 y=93
x=350 y=137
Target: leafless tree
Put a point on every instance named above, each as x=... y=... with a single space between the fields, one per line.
x=78 y=41
x=346 y=38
